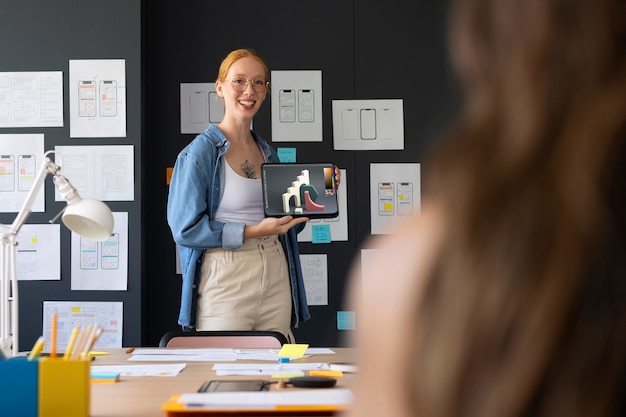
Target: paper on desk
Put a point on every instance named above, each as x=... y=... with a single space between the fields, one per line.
x=185 y=355
x=267 y=399
x=185 y=351
x=319 y=351
x=259 y=356
x=307 y=352
x=218 y=354
x=170 y=369
x=222 y=369
x=273 y=354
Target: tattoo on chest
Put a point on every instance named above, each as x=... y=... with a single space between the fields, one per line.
x=248 y=169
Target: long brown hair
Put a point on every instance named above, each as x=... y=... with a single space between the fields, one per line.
x=524 y=313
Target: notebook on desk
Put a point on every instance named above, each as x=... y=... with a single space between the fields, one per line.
x=311 y=401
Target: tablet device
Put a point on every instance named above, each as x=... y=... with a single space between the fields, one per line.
x=215 y=385
x=299 y=190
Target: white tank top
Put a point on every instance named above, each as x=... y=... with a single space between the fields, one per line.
x=242 y=200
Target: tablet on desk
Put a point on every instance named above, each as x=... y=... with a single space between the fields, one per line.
x=299 y=190
x=229 y=385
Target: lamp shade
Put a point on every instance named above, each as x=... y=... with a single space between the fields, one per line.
x=89 y=217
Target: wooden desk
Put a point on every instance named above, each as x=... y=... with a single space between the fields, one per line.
x=144 y=396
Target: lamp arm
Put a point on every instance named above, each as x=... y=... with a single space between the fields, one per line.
x=47 y=167
x=8 y=298
x=8 y=259
x=8 y=272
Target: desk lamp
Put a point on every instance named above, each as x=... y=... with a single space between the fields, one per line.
x=86 y=216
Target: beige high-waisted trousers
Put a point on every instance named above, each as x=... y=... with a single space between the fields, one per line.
x=246 y=288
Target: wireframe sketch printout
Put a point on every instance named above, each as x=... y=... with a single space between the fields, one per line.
x=97 y=98
x=394 y=193
x=105 y=172
x=108 y=315
x=297 y=106
x=315 y=271
x=21 y=157
x=308 y=190
x=31 y=99
x=102 y=266
x=368 y=124
x=199 y=106
x=39 y=252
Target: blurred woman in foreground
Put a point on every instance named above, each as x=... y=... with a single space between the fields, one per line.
x=506 y=297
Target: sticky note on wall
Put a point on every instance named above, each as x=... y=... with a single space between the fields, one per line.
x=320 y=233
x=346 y=320
x=286 y=154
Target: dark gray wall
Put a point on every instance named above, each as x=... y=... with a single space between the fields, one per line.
x=38 y=35
x=366 y=49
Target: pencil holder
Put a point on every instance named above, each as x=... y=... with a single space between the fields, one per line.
x=44 y=387
x=18 y=387
x=64 y=387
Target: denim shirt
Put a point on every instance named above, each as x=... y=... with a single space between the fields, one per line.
x=194 y=195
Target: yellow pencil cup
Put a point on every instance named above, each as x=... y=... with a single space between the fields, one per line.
x=64 y=387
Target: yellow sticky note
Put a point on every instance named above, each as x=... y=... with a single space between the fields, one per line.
x=286 y=376
x=293 y=349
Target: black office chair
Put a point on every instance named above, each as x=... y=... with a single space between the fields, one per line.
x=223 y=339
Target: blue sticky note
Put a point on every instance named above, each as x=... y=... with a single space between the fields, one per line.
x=286 y=154
x=320 y=233
x=346 y=320
x=115 y=376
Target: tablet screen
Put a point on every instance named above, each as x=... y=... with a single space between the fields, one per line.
x=234 y=385
x=299 y=190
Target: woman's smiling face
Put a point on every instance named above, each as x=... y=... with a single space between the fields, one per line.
x=243 y=104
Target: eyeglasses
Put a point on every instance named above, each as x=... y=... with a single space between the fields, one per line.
x=240 y=85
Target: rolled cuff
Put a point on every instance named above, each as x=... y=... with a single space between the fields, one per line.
x=232 y=235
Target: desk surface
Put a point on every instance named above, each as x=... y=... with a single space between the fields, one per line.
x=144 y=396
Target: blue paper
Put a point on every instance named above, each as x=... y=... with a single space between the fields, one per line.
x=286 y=154
x=345 y=320
x=320 y=233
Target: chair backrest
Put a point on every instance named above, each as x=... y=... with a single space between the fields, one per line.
x=223 y=339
